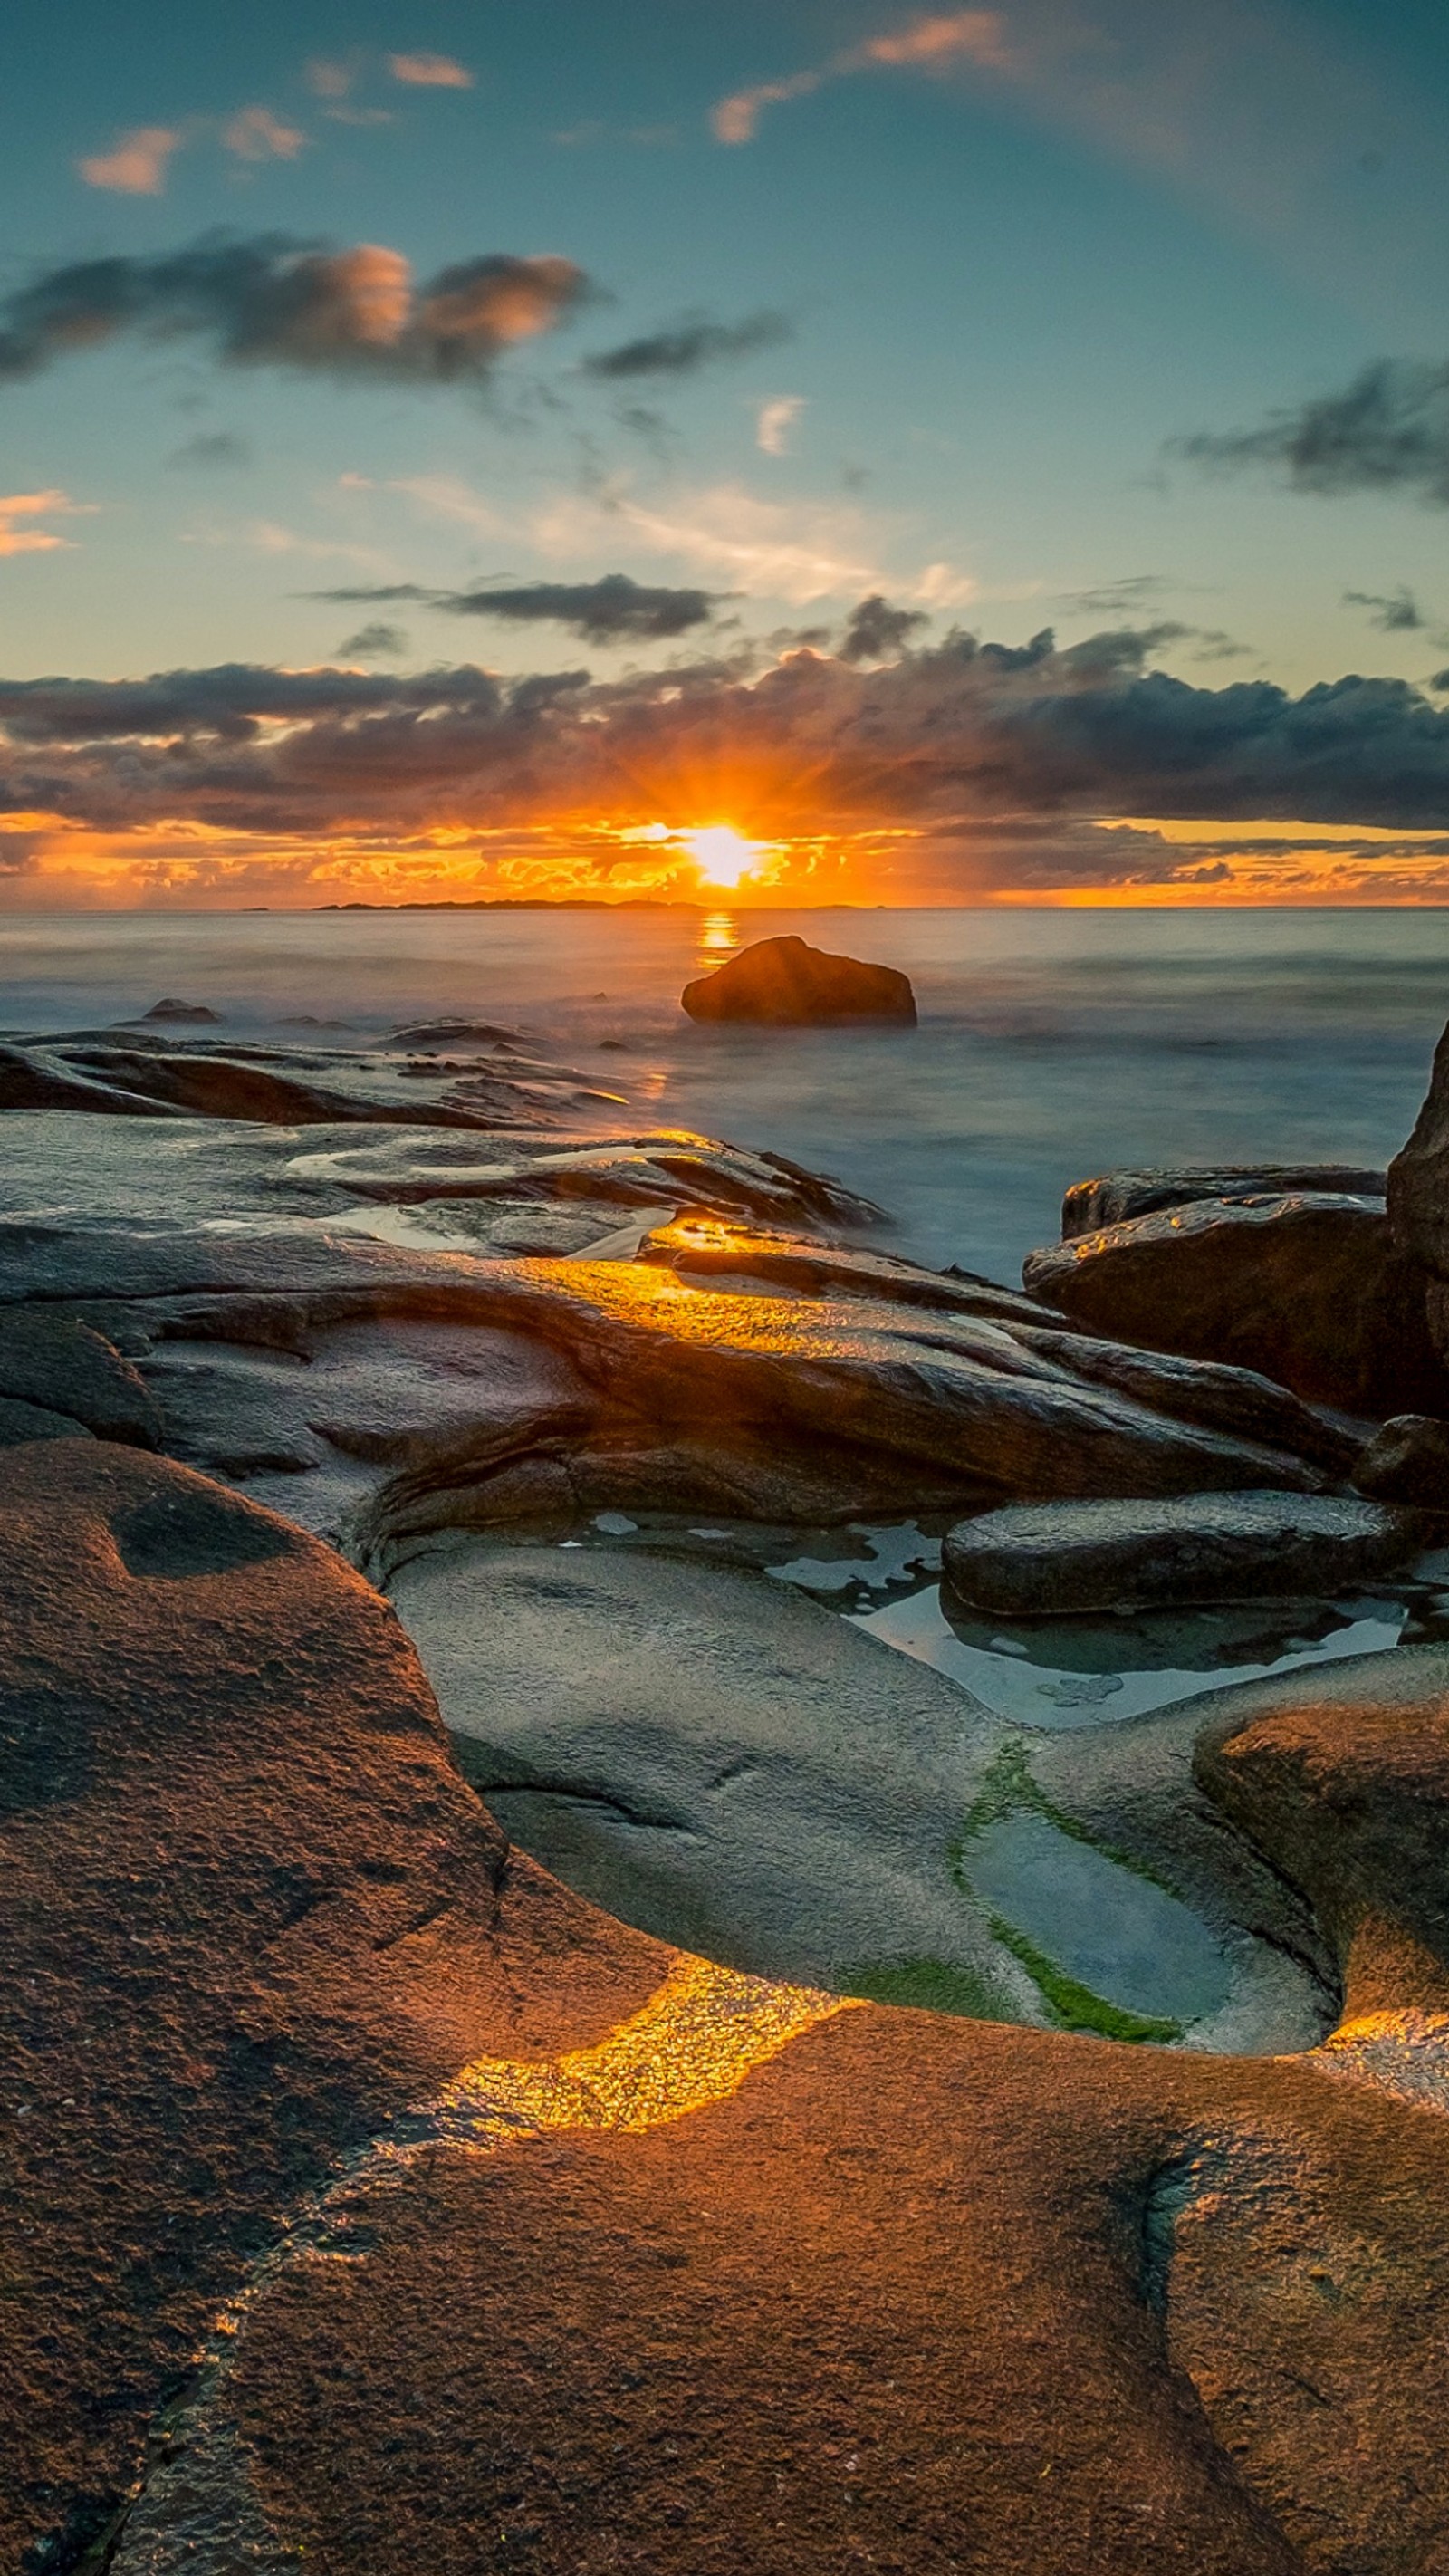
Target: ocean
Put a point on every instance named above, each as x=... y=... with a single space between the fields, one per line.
x=1052 y=1044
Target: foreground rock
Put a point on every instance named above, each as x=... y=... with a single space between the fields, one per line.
x=697 y=1398
x=1310 y=1289
x=376 y=2203
x=1053 y=1559
x=784 y=983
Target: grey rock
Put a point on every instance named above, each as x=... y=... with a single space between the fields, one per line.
x=1116 y=1195
x=1040 y=1560
x=191 y=1013
x=1407 y=1461
x=20 y=1422
x=784 y=983
x=1310 y=1290
x=67 y=1369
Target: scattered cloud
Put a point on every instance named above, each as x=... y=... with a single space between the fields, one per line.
x=1118 y=598
x=774 y=422
x=797 y=552
x=377 y=643
x=255 y=134
x=429 y=71
x=938 y=42
x=18 y=508
x=686 y=346
x=612 y=610
x=876 y=632
x=1395 y=612
x=1388 y=431
x=137 y=162
x=330 y=78
x=270 y=301
x=212 y=451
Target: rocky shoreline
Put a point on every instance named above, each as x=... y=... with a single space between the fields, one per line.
x=376 y=2195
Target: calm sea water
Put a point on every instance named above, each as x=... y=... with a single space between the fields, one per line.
x=1051 y=1045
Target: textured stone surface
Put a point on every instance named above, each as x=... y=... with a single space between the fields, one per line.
x=1044 y=1559
x=374 y=2203
x=1311 y=1290
x=1407 y=1461
x=1114 y=1196
x=785 y=983
x=51 y=1361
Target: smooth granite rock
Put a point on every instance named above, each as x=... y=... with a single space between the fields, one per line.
x=20 y=1422
x=1114 y=1196
x=371 y=2203
x=1054 y=1559
x=784 y=983
x=1407 y=1461
x=1310 y=1290
x=52 y=1361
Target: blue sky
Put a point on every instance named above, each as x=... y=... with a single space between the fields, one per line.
x=1005 y=260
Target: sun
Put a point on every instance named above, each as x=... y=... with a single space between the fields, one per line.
x=724 y=857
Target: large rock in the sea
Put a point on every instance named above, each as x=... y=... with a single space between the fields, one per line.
x=784 y=983
x=1311 y=1289
x=1115 y=1195
x=371 y=2203
x=1056 y=1559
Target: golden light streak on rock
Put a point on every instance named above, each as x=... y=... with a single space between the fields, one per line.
x=694 y=2042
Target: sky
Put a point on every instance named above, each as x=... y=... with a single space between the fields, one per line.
x=824 y=449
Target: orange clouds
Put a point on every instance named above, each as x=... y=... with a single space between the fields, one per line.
x=933 y=43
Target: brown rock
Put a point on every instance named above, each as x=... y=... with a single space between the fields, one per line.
x=784 y=983
x=1310 y=1290
x=428 y=2219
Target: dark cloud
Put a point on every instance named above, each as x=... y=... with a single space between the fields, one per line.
x=1396 y=612
x=1386 y=432
x=273 y=301
x=377 y=643
x=876 y=630
x=689 y=345
x=1118 y=598
x=213 y=451
x=613 y=610
x=963 y=738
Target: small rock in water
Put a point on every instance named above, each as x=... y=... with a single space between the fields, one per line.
x=195 y=1014
x=1052 y=1559
x=1407 y=1461
x=784 y=983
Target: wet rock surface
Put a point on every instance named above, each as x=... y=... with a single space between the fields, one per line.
x=785 y=983
x=386 y=2204
x=1115 y=1196
x=1310 y=1289
x=1054 y=1559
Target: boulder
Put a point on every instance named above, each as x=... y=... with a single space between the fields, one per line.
x=20 y=1422
x=1115 y=1195
x=784 y=983
x=1060 y=1559
x=1312 y=1290
x=1407 y=1461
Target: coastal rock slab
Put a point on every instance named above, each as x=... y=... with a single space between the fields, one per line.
x=785 y=983
x=1054 y=1559
x=1114 y=1196
x=1310 y=1290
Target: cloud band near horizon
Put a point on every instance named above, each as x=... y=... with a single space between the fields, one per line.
x=944 y=740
